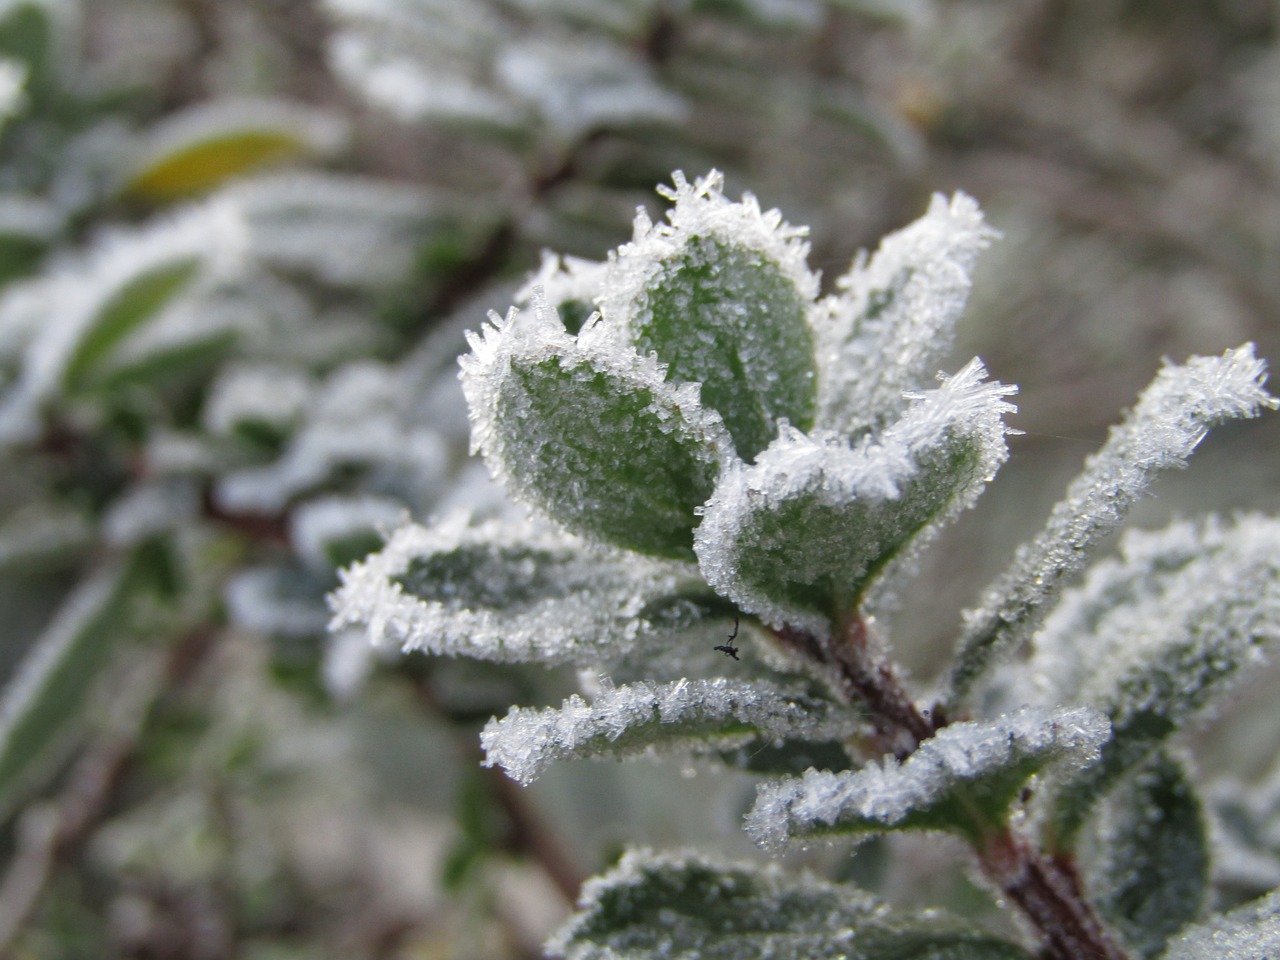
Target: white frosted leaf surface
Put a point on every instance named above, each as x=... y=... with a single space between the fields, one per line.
x=1194 y=624
x=1170 y=419
x=798 y=536
x=576 y=86
x=965 y=766
x=721 y=293
x=510 y=592
x=366 y=416
x=590 y=433
x=264 y=396
x=344 y=230
x=277 y=600
x=685 y=906
x=701 y=715
x=1250 y=932
x=87 y=306
x=895 y=315
x=570 y=285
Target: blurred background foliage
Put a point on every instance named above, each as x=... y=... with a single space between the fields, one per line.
x=239 y=243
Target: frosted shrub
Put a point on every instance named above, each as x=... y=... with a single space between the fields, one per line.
x=719 y=451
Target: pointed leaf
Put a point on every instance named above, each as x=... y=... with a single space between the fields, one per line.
x=682 y=906
x=49 y=690
x=1150 y=875
x=722 y=296
x=963 y=779
x=798 y=537
x=699 y=715
x=1250 y=932
x=198 y=149
x=514 y=592
x=133 y=304
x=1171 y=417
x=1209 y=600
x=590 y=433
x=895 y=316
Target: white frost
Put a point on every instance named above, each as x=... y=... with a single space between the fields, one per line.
x=1171 y=417
x=691 y=714
x=872 y=476
x=557 y=600
x=879 y=796
x=895 y=315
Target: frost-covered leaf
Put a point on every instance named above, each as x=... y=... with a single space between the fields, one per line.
x=698 y=715
x=280 y=601
x=258 y=404
x=334 y=531
x=1250 y=932
x=895 y=315
x=963 y=779
x=721 y=294
x=367 y=419
x=1170 y=419
x=197 y=149
x=1196 y=603
x=591 y=433
x=49 y=689
x=514 y=592
x=683 y=906
x=87 y=309
x=797 y=537
x=134 y=303
x=343 y=230
x=578 y=85
x=1149 y=875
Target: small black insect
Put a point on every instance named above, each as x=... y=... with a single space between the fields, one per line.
x=728 y=649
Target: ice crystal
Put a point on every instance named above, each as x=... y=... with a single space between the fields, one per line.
x=702 y=715
x=504 y=591
x=986 y=761
x=1171 y=417
x=895 y=315
x=721 y=293
x=552 y=415
x=796 y=537
x=1250 y=932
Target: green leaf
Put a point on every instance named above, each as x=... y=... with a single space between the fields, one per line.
x=1208 y=602
x=27 y=34
x=50 y=688
x=1169 y=420
x=589 y=432
x=962 y=780
x=682 y=906
x=698 y=715
x=722 y=296
x=799 y=536
x=517 y=592
x=1149 y=874
x=137 y=301
x=1250 y=932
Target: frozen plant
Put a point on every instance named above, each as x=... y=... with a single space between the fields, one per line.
x=721 y=450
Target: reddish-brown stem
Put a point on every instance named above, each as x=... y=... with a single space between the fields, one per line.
x=1048 y=892
x=1046 y=889
x=868 y=680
